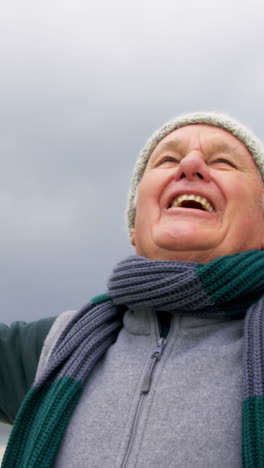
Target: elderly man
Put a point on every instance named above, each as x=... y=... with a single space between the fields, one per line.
x=165 y=370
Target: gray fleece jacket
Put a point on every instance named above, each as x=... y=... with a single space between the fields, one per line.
x=154 y=404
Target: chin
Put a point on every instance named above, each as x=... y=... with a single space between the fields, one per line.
x=187 y=246
x=184 y=241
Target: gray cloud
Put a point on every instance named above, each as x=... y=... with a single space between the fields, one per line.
x=81 y=88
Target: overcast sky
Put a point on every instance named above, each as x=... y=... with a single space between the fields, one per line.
x=81 y=88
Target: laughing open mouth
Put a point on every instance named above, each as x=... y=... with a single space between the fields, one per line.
x=192 y=201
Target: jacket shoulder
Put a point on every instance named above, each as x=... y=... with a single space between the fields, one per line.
x=20 y=348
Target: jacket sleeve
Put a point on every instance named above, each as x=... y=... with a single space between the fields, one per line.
x=20 y=348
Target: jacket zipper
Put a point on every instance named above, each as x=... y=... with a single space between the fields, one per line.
x=146 y=384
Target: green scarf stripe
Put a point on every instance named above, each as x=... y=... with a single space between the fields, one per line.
x=230 y=277
x=19 y=435
x=101 y=298
x=253 y=432
x=50 y=412
x=62 y=401
x=48 y=415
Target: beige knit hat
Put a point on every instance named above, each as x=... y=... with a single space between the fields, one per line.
x=246 y=136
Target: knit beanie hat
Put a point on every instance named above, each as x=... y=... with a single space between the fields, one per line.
x=240 y=131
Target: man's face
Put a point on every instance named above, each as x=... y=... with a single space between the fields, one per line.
x=173 y=223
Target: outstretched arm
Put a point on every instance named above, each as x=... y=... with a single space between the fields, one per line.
x=20 y=348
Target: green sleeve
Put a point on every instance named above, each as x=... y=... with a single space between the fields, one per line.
x=20 y=348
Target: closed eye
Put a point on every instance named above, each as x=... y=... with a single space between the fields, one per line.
x=168 y=159
x=224 y=161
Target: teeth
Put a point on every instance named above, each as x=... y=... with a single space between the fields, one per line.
x=177 y=202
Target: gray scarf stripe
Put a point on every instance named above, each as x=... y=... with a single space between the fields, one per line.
x=253 y=381
x=96 y=316
x=164 y=285
x=76 y=355
x=82 y=359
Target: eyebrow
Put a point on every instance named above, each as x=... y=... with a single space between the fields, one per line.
x=225 y=147
x=217 y=145
x=172 y=145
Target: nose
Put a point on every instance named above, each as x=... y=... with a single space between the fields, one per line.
x=193 y=167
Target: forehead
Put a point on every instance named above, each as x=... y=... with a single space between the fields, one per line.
x=202 y=137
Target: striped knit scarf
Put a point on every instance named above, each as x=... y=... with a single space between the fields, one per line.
x=229 y=286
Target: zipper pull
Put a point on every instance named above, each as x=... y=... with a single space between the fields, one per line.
x=155 y=357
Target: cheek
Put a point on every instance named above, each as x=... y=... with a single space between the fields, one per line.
x=245 y=193
x=149 y=193
x=245 y=202
x=148 y=210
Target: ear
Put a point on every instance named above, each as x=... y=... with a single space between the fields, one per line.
x=132 y=237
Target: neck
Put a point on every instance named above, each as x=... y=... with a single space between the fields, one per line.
x=182 y=256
